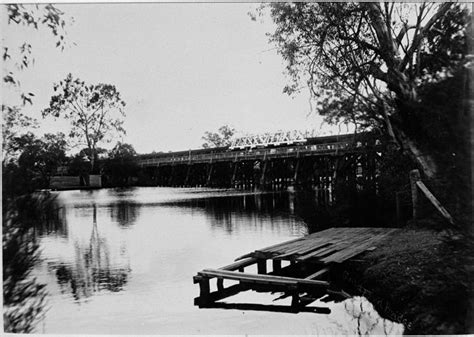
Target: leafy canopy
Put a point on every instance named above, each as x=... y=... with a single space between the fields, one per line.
x=95 y=111
x=18 y=56
x=361 y=60
x=220 y=138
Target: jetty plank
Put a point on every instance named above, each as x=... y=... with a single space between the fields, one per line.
x=240 y=264
x=325 y=248
x=317 y=274
x=261 y=278
x=358 y=249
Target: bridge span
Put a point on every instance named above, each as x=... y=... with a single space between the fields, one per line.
x=317 y=163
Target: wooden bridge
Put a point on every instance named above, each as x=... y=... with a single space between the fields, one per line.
x=311 y=260
x=317 y=162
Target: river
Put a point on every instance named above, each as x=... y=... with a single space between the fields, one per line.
x=121 y=261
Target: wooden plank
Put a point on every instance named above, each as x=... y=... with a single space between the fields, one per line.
x=219 y=295
x=358 y=249
x=435 y=202
x=246 y=277
x=302 y=251
x=317 y=274
x=220 y=284
x=292 y=247
x=269 y=248
x=341 y=293
x=240 y=264
x=322 y=251
x=312 y=241
x=354 y=250
x=414 y=177
x=309 y=245
x=328 y=234
x=344 y=236
x=340 y=246
x=276 y=265
x=259 y=278
x=262 y=266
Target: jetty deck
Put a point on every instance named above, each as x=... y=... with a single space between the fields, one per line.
x=309 y=261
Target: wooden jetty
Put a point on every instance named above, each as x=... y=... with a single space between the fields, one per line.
x=310 y=261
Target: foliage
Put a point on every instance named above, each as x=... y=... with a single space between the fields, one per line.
x=23 y=296
x=20 y=57
x=26 y=164
x=220 y=138
x=37 y=161
x=14 y=122
x=121 y=165
x=366 y=62
x=95 y=112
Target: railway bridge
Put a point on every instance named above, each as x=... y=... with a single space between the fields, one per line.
x=319 y=163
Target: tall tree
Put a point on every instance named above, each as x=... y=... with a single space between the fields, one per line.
x=368 y=62
x=220 y=138
x=96 y=112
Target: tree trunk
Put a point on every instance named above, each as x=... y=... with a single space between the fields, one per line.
x=92 y=164
x=406 y=125
x=421 y=156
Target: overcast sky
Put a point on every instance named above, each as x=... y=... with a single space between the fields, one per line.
x=182 y=69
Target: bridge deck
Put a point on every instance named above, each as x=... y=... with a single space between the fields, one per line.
x=311 y=258
x=253 y=154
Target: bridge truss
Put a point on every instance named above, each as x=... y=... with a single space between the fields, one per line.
x=271 y=139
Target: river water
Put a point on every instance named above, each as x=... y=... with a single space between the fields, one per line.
x=121 y=261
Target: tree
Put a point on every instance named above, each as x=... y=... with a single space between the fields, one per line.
x=121 y=164
x=40 y=158
x=220 y=138
x=14 y=122
x=18 y=57
x=367 y=62
x=95 y=112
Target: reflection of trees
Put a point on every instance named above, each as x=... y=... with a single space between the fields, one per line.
x=55 y=223
x=124 y=213
x=247 y=211
x=367 y=321
x=92 y=269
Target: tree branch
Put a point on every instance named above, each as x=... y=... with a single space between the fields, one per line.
x=419 y=37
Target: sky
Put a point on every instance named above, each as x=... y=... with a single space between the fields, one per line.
x=182 y=69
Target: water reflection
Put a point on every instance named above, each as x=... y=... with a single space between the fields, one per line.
x=269 y=308
x=122 y=261
x=92 y=269
x=54 y=224
x=252 y=212
x=124 y=213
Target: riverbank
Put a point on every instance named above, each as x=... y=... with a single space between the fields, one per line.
x=418 y=277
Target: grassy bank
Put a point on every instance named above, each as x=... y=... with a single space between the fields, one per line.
x=418 y=277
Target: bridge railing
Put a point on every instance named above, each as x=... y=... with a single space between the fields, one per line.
x=249 y=154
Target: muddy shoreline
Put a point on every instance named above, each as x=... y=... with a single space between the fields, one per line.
x=418 y=277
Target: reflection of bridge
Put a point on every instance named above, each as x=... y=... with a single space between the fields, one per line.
x=315 y=162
